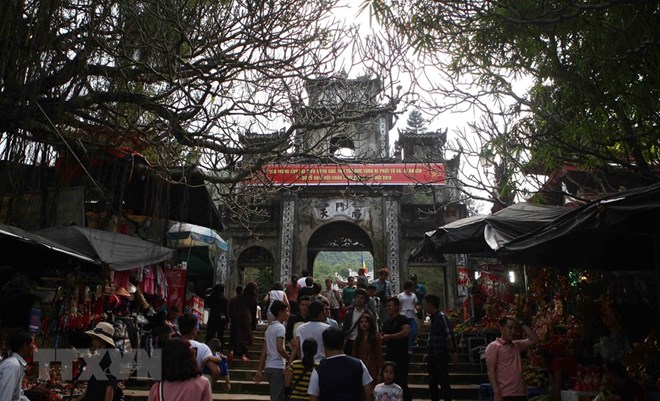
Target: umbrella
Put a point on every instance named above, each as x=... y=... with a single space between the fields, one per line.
x=119 y=251
x=12 y=233
x=619 y=231
x=482 y=234
x=188 y=235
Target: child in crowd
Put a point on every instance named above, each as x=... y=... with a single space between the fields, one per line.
x=216 y=346
x=298 y=374
x=388 y=390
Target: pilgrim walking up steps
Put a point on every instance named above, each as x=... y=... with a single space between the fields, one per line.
x=465 y=377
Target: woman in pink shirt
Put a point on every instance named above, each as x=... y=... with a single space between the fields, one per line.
x=182 y=378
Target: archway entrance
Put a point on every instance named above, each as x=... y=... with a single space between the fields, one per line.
x=343 y=245
x=431 y=271
x=256 y=264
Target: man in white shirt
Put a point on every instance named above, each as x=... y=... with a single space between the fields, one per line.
x=274 y=356
x=312 y=329
x=301 y=280
x=409 y=304
x=12 y=369
x=203 y=354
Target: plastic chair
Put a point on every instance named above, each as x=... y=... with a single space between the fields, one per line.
x=486 y=389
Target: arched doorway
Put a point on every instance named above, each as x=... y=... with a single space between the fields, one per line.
x=339 y=237
x=256 y=264
x=431 y=271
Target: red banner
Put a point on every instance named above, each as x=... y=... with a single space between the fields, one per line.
x=176 y=287
x=196 y=304
x=353 y=174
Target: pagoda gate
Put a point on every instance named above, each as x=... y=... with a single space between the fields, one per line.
x=375 y=201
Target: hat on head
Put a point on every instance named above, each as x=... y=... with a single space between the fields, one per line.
x=103 y=331
x=121 y=292
x=413 y=277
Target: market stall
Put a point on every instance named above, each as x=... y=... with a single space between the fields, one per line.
x=70 y=278
x=576 y=292
x=118 y=251
x=482 y=234
x=199 y=248
x=14 y=236
x=615 y=232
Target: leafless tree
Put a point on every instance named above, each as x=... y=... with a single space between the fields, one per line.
x=181 y=82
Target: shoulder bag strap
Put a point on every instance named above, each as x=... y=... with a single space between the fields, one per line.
x=161 y=397
x=354 y=324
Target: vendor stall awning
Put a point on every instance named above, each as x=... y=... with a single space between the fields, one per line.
x=619 y=231
x=119 y=251
x=18 y=234
x=483 y=234
x=184 y=235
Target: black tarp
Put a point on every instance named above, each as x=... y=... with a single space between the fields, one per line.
x=616 y=232
x=14 y=238
x=481 y=234
x=119 y=251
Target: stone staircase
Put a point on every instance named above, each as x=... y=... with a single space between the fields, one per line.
x=465 y=377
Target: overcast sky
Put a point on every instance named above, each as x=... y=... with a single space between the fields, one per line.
x=452 y=121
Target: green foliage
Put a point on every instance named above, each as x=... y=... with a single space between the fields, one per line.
x=263 y=276
x=329 y=263
x=415 y=123
x=595 y=94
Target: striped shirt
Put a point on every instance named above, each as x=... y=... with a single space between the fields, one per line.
x=301 y=381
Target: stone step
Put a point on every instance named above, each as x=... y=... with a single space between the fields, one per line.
x=415 y=366
x=418 y=377
x=465 y=376
x=254 y=352
x=141 y=395
x=248 y=388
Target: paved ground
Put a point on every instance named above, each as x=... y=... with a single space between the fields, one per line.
x=142 y=394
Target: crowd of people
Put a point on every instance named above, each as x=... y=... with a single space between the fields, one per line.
x=351 y=340
x=348 y=343
x=352 y=343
